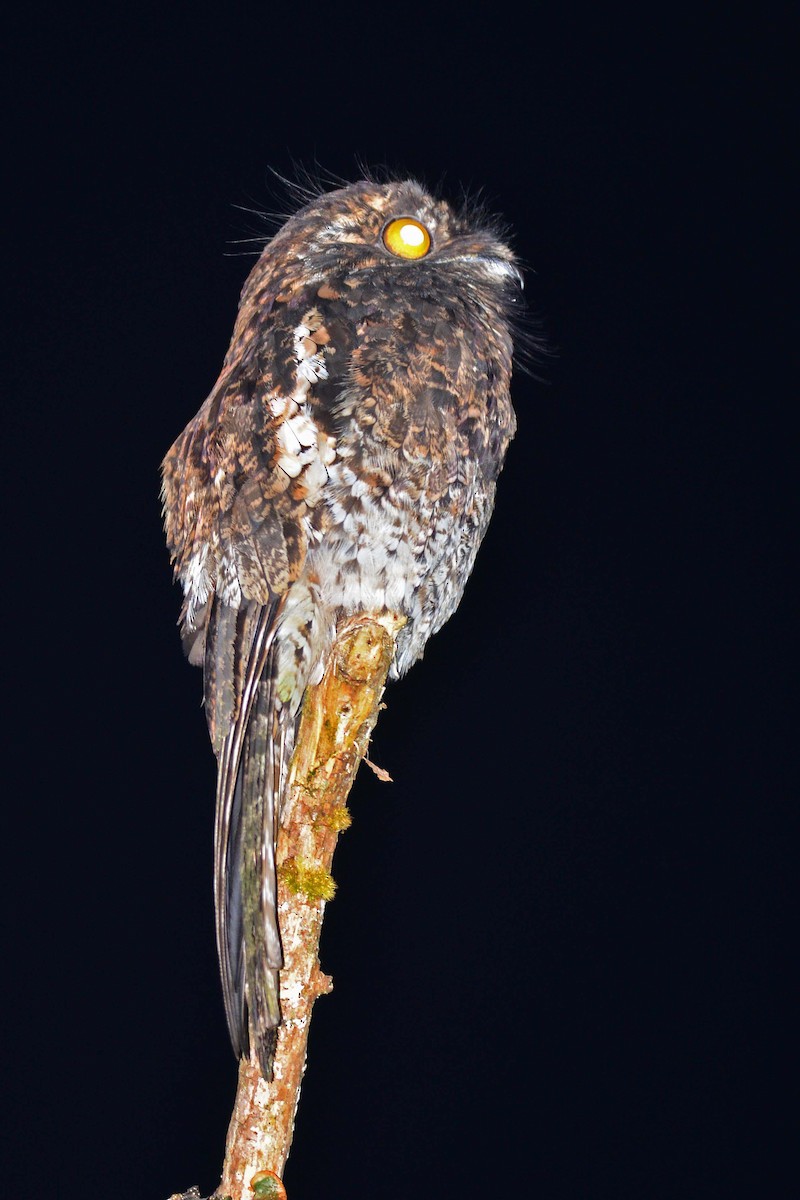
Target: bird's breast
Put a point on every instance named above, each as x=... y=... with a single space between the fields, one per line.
x=396 y=544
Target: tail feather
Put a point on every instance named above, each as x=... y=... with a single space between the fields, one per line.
x=261 y=779
x=267 y=673
x=253 y=634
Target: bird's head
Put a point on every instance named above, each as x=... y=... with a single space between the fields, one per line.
x=395 y=234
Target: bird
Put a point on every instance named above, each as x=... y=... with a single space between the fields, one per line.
x=345 y=462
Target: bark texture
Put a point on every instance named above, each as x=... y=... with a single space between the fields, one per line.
x=337 y=720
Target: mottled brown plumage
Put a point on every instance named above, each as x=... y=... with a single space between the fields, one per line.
x=344 y=462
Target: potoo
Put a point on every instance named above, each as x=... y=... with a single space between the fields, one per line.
x=345 y=462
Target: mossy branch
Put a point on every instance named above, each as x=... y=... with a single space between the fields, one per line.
x=337 y=720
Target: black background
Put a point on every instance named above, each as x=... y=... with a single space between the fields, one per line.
x=555 y=933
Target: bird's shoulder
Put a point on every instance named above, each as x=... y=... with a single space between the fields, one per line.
x=239 y=479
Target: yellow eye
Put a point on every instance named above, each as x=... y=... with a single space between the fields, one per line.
x=407 y=238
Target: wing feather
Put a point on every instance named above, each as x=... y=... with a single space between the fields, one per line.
x=238 y=485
